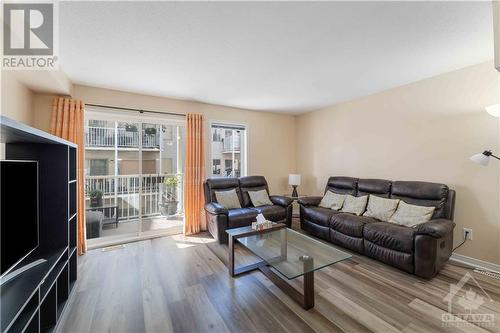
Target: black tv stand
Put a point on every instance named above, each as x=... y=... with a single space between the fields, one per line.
x=34 y=301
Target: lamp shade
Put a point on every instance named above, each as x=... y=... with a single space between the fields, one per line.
x=481 y=159
x=494 y=110
x=294 y=179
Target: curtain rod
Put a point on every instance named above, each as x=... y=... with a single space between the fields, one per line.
x=133 y=109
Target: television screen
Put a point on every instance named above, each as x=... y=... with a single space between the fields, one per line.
x=18 y=211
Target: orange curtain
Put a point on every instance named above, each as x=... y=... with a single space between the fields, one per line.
x=67 y=122
x=195 y=174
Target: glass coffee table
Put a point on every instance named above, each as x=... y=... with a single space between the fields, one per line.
x=290 y=253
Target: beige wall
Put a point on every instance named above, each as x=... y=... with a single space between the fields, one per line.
x=17 y=98
x=42 y=109
x=422 y=131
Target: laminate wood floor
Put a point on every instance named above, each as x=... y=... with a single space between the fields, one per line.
x=179 y=284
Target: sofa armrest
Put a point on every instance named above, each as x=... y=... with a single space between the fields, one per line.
x=310 y=201
x=215 y=208
x=280 y=200
x=436 y=228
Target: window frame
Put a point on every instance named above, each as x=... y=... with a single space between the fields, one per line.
x=245 y=170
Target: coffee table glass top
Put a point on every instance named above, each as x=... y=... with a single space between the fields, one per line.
x=291 y=253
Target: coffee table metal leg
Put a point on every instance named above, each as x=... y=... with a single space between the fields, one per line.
x=308 y=263
x=305 y=299
x=308 y=290
x=231 y=255
x=283 y=240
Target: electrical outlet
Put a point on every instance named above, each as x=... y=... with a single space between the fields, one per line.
x=468 y=233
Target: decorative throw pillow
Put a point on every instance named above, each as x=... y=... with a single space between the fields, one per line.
x=354 y=205
x=332 y=200
x=411 y=215
x=381 y=208
x=259 y=198
x=228 y=199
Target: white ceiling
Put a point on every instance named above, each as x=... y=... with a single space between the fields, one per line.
x=272 y=56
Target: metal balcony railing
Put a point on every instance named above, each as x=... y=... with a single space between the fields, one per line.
x=124 y=191
x=105 y=137
x=229 y=144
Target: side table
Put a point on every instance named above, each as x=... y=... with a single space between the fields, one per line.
x=295 y=213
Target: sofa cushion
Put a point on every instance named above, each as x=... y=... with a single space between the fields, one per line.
x=332 y=200
x=259 y=198
x=318 y=215
x=350 y=224
x=354 y=205
x=228 y=199
x=390 y=235
x=380 y=208
x=241 y=217
x=411 y=215
x=273 y=213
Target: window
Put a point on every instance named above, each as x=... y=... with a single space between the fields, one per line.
x=216 y=137
x=228 y=150
x=97 y=167
x=216 y=167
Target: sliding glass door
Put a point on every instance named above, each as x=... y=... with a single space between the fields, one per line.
x=162 y=165
x=134 y=176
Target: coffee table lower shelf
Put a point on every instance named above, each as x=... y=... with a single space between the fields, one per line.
x=305 y=299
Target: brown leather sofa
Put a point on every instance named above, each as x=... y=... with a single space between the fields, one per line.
x=421 y=250
x=219 y=219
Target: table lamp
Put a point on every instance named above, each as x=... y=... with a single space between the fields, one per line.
x=294 y=181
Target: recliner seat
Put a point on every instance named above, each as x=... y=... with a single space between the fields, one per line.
x=219 y=219
x=421 y=250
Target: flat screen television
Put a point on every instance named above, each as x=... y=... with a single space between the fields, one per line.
x=18 y=212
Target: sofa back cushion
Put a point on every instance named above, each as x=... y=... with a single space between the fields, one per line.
x=423 y=194
x=251 y=183
x=213 y=185
x=379 y=187
x=342 y=185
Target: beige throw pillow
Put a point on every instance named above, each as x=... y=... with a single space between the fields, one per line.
x=381 y=208
x=354 y=205
x=332 y=200
x=411 y=215
x=259 y=198
x=228 y=199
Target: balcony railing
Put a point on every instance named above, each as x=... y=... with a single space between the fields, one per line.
x=123 y=191
x=105 y=137
x=229 y=144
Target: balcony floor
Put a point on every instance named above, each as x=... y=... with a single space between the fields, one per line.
x=127 y=229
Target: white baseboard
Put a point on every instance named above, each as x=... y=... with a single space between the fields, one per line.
x=476 y=263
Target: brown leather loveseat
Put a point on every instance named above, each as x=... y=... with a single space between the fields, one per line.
x=421 y=250
x=219 y=218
